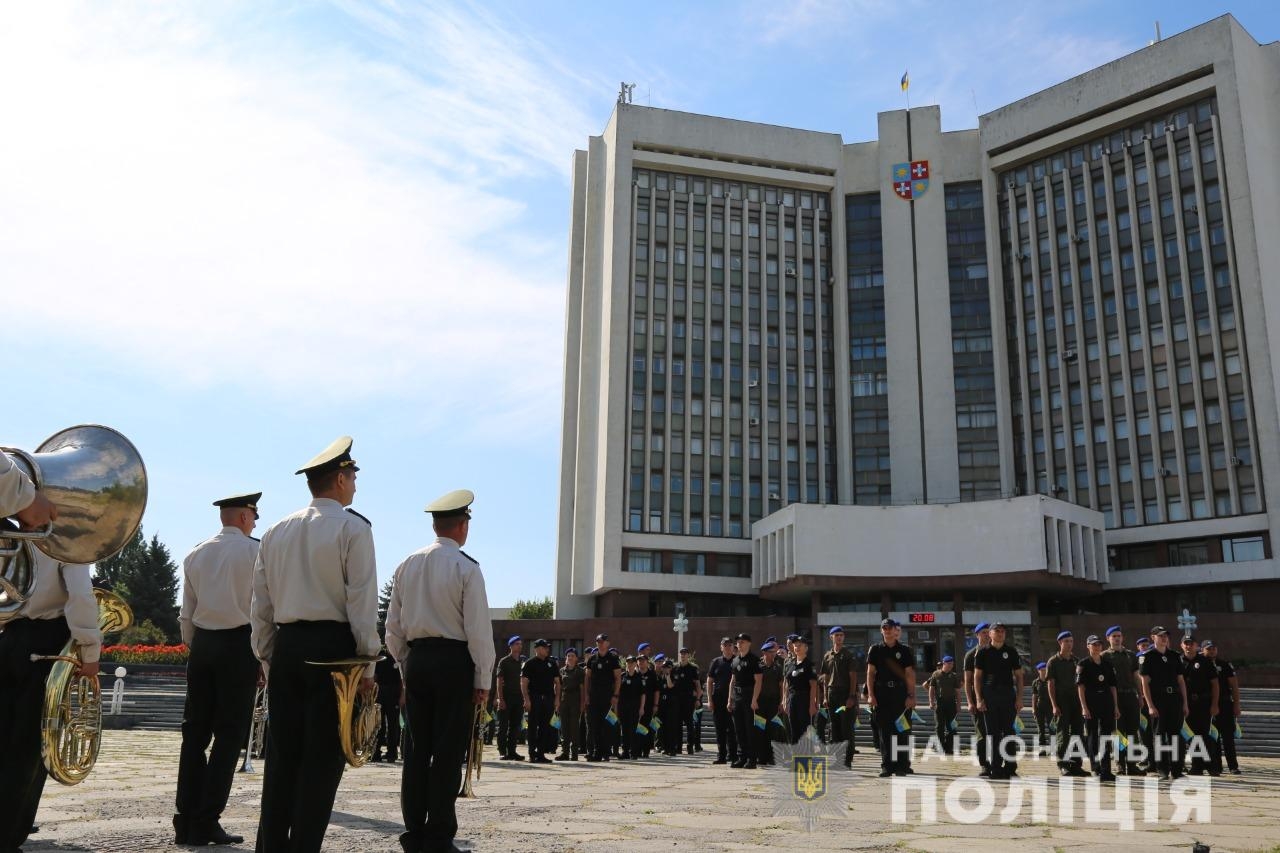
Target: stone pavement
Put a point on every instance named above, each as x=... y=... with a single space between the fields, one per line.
x=660 y=804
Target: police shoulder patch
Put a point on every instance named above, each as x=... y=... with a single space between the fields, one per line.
x=468 y=556
x=359 y=516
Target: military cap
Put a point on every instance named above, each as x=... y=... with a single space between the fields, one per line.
x=771 y=639
x=792 y=637
x=995 y=625
x=1188 y=639
x=980 y=627
x=724 y=640
x=1208 y=644
x=768 y=646
x=538 y=643
x=1064 y=635
x=743 y=637
x=570 y=651
x=1093 y=639
x=668 y=663
x=1042 y=665
x=456 y=503
x=248 y=500
x=333 y=458
x=600 y=637
x=836 y=630
x=1143 y=641
x=1159 y=629
x=804 y=640
x=948 y=659
x=1114 y=629
x=631 y=658
x=511 y=641
x=591 y=651
x=890 y=623
x=642 y=656
x=684 y=650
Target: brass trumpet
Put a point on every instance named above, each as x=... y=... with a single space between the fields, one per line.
x=359 y=717
x=71 y=722
x=475 y=754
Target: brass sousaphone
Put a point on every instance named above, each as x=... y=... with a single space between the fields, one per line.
x=359 y=716
x=96 y=479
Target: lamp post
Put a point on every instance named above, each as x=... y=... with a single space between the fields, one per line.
x=680 y=624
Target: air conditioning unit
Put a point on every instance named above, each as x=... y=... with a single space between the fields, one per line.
x=1236 y=461
x=1068 y=355
x=791 y=272
x=754 y=422
x=754 y=383
x=1127 y=145
x=1077 y=238
x=1055 y=489
x=1165 y=472
x=1193 y=208
x=1168 y=128
x=774 y=496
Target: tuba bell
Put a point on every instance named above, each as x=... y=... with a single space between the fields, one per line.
x=71 y=722
x=96 y=479
x=359 y=717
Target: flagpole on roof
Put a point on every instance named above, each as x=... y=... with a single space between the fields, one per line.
x=906 y=87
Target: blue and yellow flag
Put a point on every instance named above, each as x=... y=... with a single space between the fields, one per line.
x=524 y=724
x=842 y=709
x=641 y=729
x=1186 y=732
x=555 y=721
x=657 y=724
x=906 y=81
x=902 y=724
x=776 y=721
x=1142 y=722
x=759 y=721
x=1123 y=740
x=951 y=726
x=1018 y=725
x=484 y=721
x=916 y=718
x=1213 y=732
x=824 y=713
x=1239 y=731
x=611 y=718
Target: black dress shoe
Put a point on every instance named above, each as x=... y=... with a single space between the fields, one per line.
x=721 y=760
x=179 y=829
x=211 y=833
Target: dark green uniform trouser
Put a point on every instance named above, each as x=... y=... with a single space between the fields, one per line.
x=570 y=725
x=1070 y=728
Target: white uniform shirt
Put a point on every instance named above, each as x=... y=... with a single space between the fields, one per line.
x=316 y=565
x=217 y=583
x=65 y=588
x=16 y=489
x=439 y=592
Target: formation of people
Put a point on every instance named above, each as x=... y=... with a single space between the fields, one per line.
x=268 y=610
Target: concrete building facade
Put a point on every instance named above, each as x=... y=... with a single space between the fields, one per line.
x=1023 y=369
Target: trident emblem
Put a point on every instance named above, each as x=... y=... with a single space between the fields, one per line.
x=810 y=773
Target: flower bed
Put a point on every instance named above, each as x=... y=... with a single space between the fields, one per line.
x=146 y=654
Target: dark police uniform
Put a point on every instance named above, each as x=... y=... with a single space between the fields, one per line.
x=387 y=674
x=1042 y=708
x=649 y=689
x=839 y=673
x=891 y=664
x=1164 y=669
x=1202 y=685
x=543 y=673
x=571 y=680
x=1070 y=720
x=1125 y=665
x=719 y=673
x=800 y=677
x=667 y=710
x=1226 y=719
x=511 y=714
x=998 y=668
x=945 y=685
x=745 y=669
x=1098 y=680
x=979 y=720
x=601 y=669
x=630 y=697
x=770 y=702
x=685 y=678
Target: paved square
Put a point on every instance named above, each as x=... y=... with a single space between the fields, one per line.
x=660 y=804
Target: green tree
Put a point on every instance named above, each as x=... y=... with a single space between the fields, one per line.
x=384 y=601
x=540 y=608
x=145 y=575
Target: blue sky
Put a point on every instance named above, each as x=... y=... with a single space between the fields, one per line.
x=237 y=230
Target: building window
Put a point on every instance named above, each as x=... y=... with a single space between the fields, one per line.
x=644 y=562
x=1241 y=549
x=1193 y=553
x=688 y=564
x=1236 y=595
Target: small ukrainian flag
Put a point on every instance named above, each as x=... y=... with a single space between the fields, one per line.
x=657 y=724
x=902 y=724
x=1239 y=731
x=555 y=721
x=759 y=721
x=1213 y=732
x=906 y=80
x=951 y=726
x=524 y=724
x=776 y=721
x=611 y=717
x=1186 y=732
x=1142 y=722
x=916 y=718
x=1123 y=741
x=1018 y=725
x=641 y=729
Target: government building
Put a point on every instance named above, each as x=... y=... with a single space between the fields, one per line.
x=1023 y=371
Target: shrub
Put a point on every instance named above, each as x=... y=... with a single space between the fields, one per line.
x=146 y=653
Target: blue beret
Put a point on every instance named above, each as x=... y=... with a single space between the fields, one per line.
x=659 y=656
x=836 y=630
x=642 y=647
x=1114 y=629
x=570 y=651
x=1042 y=665
x=948 y=659
x=768 y=646
x=1064 y=635
x=980 y=627
x=511 y=642
x=1207 y=644
x=771 y=639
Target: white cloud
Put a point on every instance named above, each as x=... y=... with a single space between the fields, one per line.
x=218 y=202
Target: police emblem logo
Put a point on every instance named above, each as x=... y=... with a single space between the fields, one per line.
x=1141 y=658
x=809 y=775
x=1101 y=677
x=898 y=655
x=1004 y=655
x=910 y=180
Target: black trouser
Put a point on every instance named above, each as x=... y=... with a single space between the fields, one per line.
x=628 y=719
x=669 y=713
x=726 y=743
x=1070 y=726
x=304 y=757
x=683 y=706
x=944 y=715
x=541 y=706
x=1226 y=723
x=1101 y=724
x=1148 y=732
x=570 y=724
x=980 y=737
x=744 y=729
x=389 y=730
x=222 y=678
x=1167 y=727
x=895 y=746
x=1044 y=724
x=599 y=732
x=764 y=737
x=440 y=704
x=1199 y=719
x=1127 y=725
x=798 y=716
x=21 y=708
x=843 y=723
x=999 y=717
x=509 y=720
